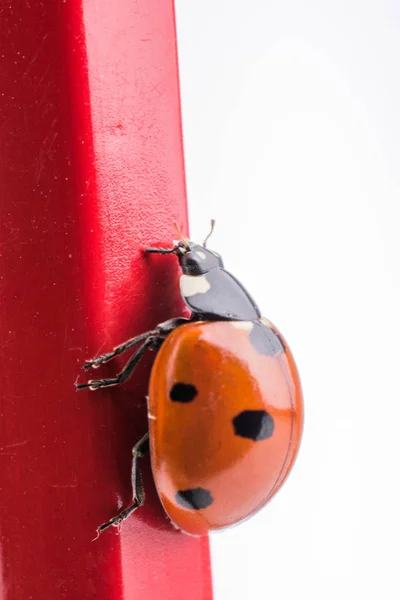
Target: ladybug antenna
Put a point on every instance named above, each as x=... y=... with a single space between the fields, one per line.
x=209 y=235
x=178 y=231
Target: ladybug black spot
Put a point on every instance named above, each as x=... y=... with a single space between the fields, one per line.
x=195 y=498
x=254 y=424
x=183 y=392
x=265 y=340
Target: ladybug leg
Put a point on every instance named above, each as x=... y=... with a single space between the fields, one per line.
x=160 y=250
x=152 y=340
x=139 y=450
x=100 y=360
x=162 y=329
x=168 y=326
x=95 y=384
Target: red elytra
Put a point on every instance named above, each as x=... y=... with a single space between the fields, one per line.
x=225 y=402
x=236 y=439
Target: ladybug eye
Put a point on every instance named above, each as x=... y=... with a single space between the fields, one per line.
x=191 y=263
x=192 y=266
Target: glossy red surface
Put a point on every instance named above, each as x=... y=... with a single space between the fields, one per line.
x=91 y=170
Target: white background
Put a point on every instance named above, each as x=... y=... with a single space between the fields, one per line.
x=292 y=128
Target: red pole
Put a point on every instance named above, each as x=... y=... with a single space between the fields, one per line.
x=91 y=171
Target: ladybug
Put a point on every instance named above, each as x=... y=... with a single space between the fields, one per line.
x=224 y=404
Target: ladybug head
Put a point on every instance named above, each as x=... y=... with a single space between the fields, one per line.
x=197 y=260
x=194 y=259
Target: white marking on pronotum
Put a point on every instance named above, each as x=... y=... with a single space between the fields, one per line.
x=191 y=285
x=201 y=254
x=150 y=416
x=244 y=325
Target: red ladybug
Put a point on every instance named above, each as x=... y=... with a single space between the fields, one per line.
x=225 y=401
